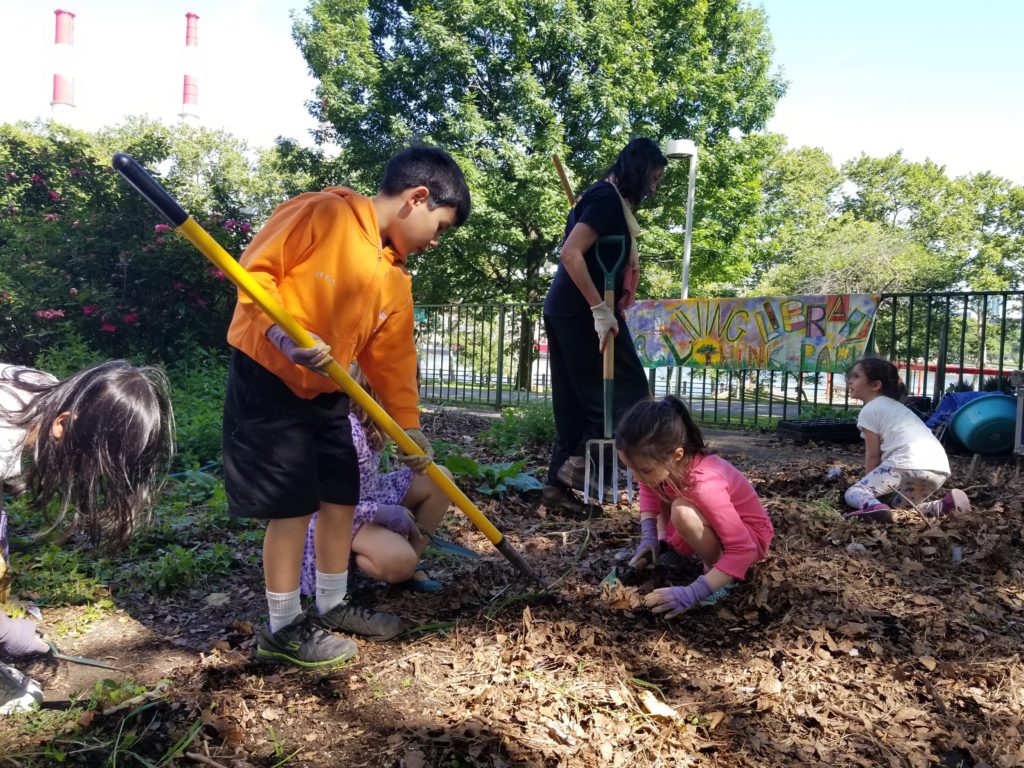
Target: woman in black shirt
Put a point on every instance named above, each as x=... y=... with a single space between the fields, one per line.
x=577 y=320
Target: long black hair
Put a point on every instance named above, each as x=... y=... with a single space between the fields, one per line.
x=880 y=369
x=651 y=430
x=634 y=167
x=116 y=440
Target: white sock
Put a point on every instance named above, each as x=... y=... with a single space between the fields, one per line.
x=284 y=608
x=331 y=589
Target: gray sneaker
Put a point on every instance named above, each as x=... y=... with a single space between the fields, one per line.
x=18 y=691
x=356 y=620
x=304 y=644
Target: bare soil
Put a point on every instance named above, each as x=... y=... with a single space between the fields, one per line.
x=852 y=644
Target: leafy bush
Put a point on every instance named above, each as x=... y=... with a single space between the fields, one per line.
x=495 y=479
x=823 y=411
x=197 y=392
x=531 y=426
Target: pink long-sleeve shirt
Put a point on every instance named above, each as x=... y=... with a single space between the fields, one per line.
x=728 y=502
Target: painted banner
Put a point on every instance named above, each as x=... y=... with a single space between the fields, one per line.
x=781 y=333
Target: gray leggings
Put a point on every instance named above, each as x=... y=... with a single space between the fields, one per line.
x=915 y=484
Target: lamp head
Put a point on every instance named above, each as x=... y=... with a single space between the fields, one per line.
x=677 y=149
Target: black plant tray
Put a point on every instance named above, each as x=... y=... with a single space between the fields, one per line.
x=820 y=430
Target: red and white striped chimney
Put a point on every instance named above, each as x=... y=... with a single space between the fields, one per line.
x=63 y=102
x=190 y=88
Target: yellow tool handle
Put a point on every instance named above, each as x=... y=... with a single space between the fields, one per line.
x=248 y=285
x=137 y=176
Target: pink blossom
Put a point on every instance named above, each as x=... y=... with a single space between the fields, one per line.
x=245 y=226
x=49 y=314
x=148 y=248
x=160 y=241
x=108 y=328
x=11 y=175
x=36 y=178
x=130 y=318
x=50 y=217
x=216 y=274
x=90 y=309
x=73 y=291
x=5 y=295
x=160 y=228
x=54 y=195
x=230 y=223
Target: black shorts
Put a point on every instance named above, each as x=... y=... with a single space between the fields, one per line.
x=284 y=455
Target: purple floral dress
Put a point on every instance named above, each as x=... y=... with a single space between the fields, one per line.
x=374 y=488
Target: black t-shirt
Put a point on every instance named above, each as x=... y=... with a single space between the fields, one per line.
x=600 y=207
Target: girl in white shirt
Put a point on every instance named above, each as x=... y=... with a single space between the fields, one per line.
x=901 y=455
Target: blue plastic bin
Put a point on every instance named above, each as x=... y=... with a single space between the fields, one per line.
x=985 y=425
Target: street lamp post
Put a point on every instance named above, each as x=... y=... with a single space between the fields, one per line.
x=676 y=150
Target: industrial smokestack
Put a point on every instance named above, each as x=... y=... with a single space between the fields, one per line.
x=190 y=87
x=63 y=101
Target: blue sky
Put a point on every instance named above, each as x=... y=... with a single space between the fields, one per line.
x=936 y=78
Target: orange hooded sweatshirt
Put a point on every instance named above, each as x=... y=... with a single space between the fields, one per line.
x=319 y=256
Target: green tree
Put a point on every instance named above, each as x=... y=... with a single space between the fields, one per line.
x=503 y=84
x=851 y=256
x=975 y=223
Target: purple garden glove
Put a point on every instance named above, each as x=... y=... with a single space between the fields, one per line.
x=18 y=637
x=675 y=601
x=396 y=518
x=315 y=358
x=647 y=549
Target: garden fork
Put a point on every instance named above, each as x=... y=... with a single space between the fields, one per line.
x=598 y=446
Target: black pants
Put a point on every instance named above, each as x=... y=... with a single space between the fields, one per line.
x=577 y=383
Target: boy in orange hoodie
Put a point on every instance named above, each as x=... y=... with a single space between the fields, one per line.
x=336 y=261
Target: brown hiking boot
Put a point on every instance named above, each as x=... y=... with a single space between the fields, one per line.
x=562 y=502
x=572 y=472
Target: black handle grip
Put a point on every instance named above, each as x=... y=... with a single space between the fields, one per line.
x=148 y=187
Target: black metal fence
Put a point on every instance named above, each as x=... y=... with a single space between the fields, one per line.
x=496 y=356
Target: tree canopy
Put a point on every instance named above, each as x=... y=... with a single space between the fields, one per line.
x=503 y=84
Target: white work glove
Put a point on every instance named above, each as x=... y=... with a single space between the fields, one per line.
x=604 y=322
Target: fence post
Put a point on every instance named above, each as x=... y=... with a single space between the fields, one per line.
x=501 y=356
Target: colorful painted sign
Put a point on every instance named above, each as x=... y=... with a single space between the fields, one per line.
x=781 y=333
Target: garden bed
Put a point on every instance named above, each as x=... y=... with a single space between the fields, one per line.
x=851 y=645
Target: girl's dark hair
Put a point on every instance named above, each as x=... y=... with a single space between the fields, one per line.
x=633 y=168
x=880 y=369
x=113 y=454
x=433 y=168
x=652 y=429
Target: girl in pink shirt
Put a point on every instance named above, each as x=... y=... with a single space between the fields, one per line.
x=695 y=501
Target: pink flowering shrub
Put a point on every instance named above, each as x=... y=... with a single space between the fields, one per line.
x=81 y=253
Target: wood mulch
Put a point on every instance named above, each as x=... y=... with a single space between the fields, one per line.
x=852 y=644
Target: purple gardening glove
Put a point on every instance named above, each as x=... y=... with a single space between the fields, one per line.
x=647 y=550
x=18 y=637
x=396 y=518
x=315 y=358
x=675 y=601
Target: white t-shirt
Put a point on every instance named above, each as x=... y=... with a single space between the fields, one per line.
x=906 y=442
x=14 y=399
